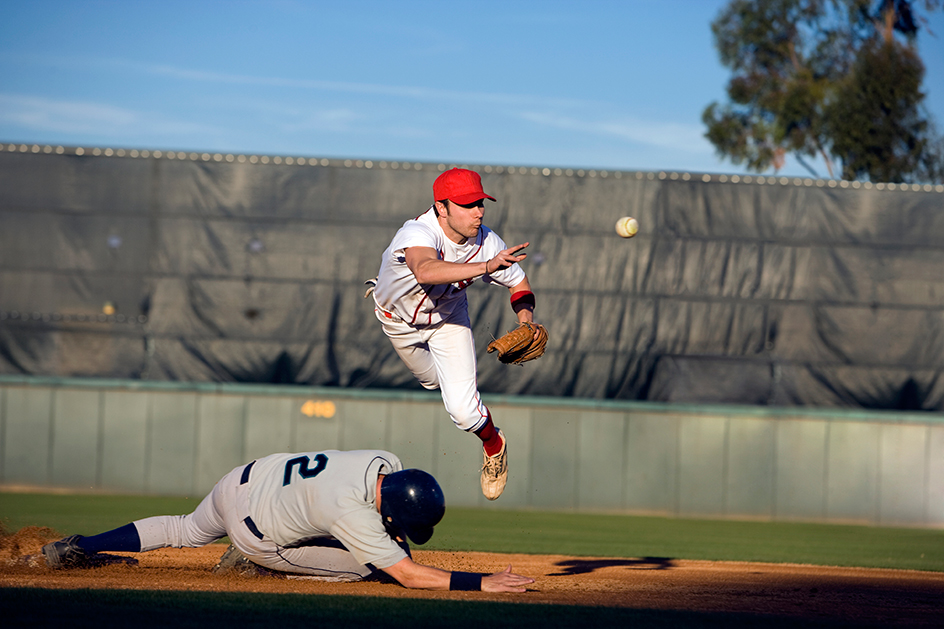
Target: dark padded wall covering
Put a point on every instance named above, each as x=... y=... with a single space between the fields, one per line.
x=796 y=293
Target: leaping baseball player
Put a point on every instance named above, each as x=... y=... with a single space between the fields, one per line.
x=420 y=298
x=331 y=515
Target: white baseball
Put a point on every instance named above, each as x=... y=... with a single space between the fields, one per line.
x=627 y=227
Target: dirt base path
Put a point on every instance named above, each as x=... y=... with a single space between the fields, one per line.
x=852 y=595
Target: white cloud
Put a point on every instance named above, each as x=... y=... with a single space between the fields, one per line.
x=63 y=115
x=399 y=91
x=84 y=117
x=687 y=138
x=402 y=91
x=333 y=120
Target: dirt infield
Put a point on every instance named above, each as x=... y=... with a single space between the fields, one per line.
x=852 y=595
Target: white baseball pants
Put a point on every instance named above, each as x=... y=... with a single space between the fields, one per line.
x=442 y=357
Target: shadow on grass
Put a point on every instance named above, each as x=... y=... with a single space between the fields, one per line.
x=136 y=609
x=581 y=566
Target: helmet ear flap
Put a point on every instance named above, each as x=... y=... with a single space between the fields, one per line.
x=392 y=529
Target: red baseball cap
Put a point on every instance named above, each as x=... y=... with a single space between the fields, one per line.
x=459 y=186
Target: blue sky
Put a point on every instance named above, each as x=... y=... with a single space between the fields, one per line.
x=584 y=84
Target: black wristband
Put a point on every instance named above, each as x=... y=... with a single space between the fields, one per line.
x=522 y=298
x=465 y=581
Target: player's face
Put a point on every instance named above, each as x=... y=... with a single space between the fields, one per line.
x=463 y=221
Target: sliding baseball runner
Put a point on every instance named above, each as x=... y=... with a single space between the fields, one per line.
x=330 y=515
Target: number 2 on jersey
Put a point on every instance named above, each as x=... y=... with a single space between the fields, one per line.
x=304 y=469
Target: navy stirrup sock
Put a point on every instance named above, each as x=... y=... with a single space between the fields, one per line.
x=121 y=539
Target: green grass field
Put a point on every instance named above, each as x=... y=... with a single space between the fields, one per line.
x=533 y=532
x=527 y=532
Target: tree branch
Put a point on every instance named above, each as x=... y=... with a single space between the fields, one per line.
x=803 y=163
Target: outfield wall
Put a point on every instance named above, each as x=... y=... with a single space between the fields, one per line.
x=629 y=457
x=192 y=267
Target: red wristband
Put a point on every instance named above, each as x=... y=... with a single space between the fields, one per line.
x=522 y=298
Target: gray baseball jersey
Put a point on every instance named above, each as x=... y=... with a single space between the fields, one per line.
x=300 y=496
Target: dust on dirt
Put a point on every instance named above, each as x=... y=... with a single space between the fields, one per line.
x=851 y=595
x=23 y=542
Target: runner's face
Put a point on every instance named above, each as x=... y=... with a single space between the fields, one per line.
x=462 y=222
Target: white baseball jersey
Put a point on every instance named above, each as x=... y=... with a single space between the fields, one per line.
x=397 y=290
x=301 y=496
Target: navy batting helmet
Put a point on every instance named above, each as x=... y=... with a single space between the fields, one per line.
x=411 y=502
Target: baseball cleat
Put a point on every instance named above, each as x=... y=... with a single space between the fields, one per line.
x=66 y=553
x=234 y=562
x=495 y=471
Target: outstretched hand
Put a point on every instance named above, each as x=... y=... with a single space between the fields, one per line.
x=505 y=581
x=506 y=258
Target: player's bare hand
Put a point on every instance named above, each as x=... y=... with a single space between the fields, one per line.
x=526 y=316
x=506 y=258
x=505 y=581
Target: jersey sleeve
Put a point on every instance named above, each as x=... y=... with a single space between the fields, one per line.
x=362 y=532
x=415 y=234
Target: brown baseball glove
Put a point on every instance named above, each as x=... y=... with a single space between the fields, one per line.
x=520 y=345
